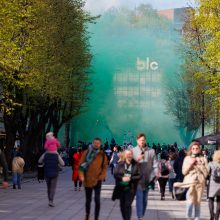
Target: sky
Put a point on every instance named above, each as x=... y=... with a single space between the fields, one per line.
x=99 y=6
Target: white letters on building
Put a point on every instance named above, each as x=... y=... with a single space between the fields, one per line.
x=146 y=64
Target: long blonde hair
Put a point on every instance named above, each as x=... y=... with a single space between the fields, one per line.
x=189 y=152
x=121 y=156
x=216 y=156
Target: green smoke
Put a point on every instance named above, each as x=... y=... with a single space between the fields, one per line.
x=134 y=58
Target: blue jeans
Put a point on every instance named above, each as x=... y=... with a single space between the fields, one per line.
x=141 y=202
x=189 y=210
x=171 y=182
x=17 y=179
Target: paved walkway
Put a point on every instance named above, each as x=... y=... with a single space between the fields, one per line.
x=31 y=203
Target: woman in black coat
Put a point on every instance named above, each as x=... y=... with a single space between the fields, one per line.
x=177 y=166
x=127 y=174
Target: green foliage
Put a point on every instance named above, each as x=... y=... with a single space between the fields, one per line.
x=199 y=75
x=44 y=64
x=203 y=36
x=44 y=48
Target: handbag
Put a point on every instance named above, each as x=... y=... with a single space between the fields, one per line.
x=180 y=193
x=116 y=192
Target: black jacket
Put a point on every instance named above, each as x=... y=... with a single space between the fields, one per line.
x=135 y=175
x=51 y=165
x=4 y=165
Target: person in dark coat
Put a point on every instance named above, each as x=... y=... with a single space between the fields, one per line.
x=51 y=161
x=164 y=168
x=178 y=164
x=127 y=174
x=4 y=165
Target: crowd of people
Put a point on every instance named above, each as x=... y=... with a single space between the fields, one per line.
x=136 y=169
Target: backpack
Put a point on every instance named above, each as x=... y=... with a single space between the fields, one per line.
x=51 y=168
x=164 y=169
x=216 y=174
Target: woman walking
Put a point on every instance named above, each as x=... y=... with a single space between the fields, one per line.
x=51 y=161
x=214 y=186
x=178 y=165
x=17 y=170
x=195 y=169
x=75 y=176
x=164 y=169
x=172 y=174
x=127 y=174
x=114 y=159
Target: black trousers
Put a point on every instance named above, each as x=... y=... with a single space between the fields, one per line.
x=162 y=183
x=88 y=192
x=76 y=182
x=126 y=200
x=211 y=206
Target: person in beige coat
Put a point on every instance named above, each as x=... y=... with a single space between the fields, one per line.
x=17 y=170
x=195 y=169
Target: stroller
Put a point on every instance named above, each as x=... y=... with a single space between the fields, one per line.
x=40 y=172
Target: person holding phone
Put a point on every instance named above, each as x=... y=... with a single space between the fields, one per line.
x=148 y=168
x=195 y=170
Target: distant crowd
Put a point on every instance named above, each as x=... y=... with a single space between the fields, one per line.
x=136 y=169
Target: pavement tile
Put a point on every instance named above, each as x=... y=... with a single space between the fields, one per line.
x=31 y=203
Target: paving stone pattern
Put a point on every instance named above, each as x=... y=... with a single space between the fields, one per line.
x=30 y=203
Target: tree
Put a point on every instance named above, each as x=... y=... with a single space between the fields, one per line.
x=193 y=90
x=181 y=105
x=50 y=84
x=200 y=38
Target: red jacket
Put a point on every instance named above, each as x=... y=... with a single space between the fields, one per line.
x=76 y=160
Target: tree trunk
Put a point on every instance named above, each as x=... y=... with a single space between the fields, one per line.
x=10 y=129
x=67 y=135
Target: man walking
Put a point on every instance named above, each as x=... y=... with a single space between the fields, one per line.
x=92 y=171
x=148 y=166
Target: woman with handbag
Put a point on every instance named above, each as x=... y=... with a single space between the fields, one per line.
x=127 y=174
x=195 y=169
x=214 y=186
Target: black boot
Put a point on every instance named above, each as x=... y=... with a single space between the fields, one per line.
x=14 y=186
x=217 y=214
x=211 y=208
x=87 y=217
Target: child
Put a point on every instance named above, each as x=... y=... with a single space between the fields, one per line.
x=75 y=175
x=51 y=144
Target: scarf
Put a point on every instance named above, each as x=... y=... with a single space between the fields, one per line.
x=127 y=172
x=89 y=158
